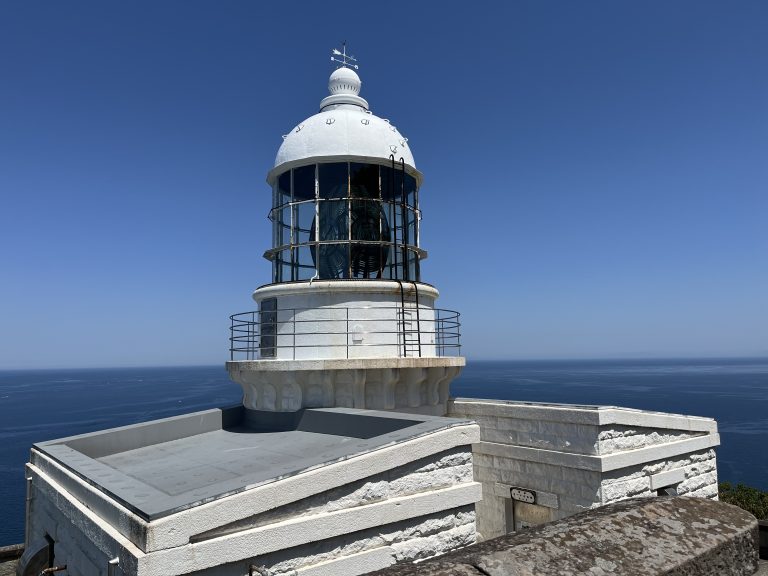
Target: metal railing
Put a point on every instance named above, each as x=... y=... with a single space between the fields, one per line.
x=344 y=332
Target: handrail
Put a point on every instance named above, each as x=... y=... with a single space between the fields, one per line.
x=294 y=330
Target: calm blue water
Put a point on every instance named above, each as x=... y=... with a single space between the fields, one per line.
x=42 y=405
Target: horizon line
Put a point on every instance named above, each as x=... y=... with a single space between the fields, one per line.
x=511 y=360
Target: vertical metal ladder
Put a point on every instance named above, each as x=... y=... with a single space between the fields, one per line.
x=409 y=322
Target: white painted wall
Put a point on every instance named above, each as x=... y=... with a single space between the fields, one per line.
x=350 y=319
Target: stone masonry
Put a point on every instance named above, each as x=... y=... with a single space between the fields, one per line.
x=403 y=501
x=637 y=537
x=575 y=458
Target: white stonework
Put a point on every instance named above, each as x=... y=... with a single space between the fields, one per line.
x=407 y=501
x=580 y=457
x=402 y=384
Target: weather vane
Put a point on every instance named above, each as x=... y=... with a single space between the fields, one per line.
x=345 y=59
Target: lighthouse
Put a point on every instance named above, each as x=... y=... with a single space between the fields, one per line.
x=346 y=454
x=346 y=320
x=340 y=459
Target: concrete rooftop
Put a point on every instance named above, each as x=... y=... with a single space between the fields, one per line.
x=162 y=467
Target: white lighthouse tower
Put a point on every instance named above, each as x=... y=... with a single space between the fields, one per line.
x=347 y=320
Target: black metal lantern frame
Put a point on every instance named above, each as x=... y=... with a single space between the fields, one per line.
x=350 y=220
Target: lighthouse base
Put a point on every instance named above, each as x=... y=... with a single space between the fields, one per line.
x=412 y=385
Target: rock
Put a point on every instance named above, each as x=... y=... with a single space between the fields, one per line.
x=638 y=537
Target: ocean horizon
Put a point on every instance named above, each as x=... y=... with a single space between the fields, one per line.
x=43 y=404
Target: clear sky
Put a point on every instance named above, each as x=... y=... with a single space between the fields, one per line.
x=596 y=172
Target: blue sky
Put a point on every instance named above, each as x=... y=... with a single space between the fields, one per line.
x=596 y=173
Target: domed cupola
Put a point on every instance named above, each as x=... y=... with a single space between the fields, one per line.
x=344 y=129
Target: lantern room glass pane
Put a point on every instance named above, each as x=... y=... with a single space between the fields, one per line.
x=363 y=180
x=333 y=220
x=304 y=183
x=413 y=265
x=368 y=224
x=366 y=220
x=391 y=183
x=333 y=180
x=333 y=261
x=398 y=223
x=304 y=263
x=410 y=190
x=284 y=225
x=304 y=218
x=412 y=219
x=284 y=188
x=389 y=270
x=281 y=265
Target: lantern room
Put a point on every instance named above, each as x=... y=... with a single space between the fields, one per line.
x=334 y=220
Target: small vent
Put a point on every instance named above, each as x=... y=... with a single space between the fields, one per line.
x=523 y=495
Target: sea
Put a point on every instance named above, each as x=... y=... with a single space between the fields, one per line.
x=37 y=405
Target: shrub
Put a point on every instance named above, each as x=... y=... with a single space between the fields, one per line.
x=750 y=499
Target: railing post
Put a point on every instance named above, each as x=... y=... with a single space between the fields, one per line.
x=458 y=335
x=347 y=309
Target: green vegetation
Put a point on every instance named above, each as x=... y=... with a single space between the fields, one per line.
x=750 y=499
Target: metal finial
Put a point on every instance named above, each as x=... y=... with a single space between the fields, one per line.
x=346 y=59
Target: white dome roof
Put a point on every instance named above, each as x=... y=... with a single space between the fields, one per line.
x=344 y=128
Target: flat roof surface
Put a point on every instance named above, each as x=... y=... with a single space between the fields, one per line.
x=162 y=467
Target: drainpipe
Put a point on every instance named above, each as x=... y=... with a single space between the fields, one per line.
x=28 y=509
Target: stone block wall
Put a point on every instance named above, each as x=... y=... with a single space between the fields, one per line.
x=567 y=490
x=405 y=502
x=693 y=474
x=613 y=439
x=87 y=547
x=434 y=534
x=82 y=543
x=579 y=457
x=637 y=537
